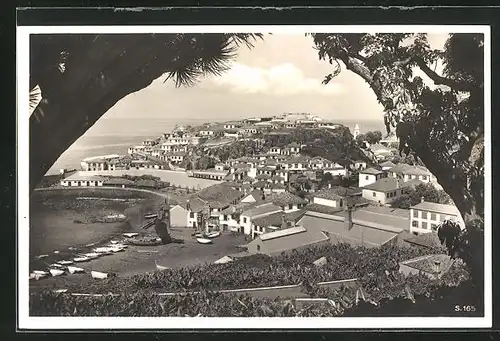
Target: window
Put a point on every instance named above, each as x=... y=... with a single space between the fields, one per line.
x=258 y=248
x=424 y=225
x=434 y=227
x=244 y=220
x=366 y=177
x=290 y=206
x=414 y=223
x=415 y=213
x=374 y=194
x=433 y=216
x=341 y=203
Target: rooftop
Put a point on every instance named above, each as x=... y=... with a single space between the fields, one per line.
x=295 y=238
x=430 y=240
x=81 y=177
x=426 y=263
x=323 y=209
x=118 y=181
x=275 y=219
x=385 y=185
x=387 y=164
x=398 y=219
x=286 y=198
x=219 y=194
x=328 y=193
x=437 y=208
x=261 y=210
x=357 y=235
x=404 y=168
x=282 y=233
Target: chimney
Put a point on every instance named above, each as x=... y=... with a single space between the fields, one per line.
x=188 y=205
x=422 y=199
x=437 y=266
x=283 y=221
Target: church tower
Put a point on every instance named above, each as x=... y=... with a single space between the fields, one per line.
x=356 y=131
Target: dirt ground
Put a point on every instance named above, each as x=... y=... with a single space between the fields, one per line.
x=53 y=229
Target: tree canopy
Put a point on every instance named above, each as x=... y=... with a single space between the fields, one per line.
x=442 y=124
x=81 y=76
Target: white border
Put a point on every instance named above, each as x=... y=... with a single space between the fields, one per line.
x=57 y=323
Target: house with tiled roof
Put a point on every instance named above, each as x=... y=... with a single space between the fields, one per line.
x=407 y=172
x=287 y=201
x=370 y=175
x=275 y=221
x=275 y=188
x=385 y=190
x=432 y=266
x=387 y=165
x=296 y=163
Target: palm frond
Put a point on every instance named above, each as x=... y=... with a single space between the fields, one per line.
x=35 y=98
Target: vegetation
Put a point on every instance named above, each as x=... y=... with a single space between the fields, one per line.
x=146 y=181
x=380 y=284
x=371 y=137
x=412 y=196
x=442 y=125
x=84 y=75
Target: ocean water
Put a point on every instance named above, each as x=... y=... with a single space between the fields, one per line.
x=116 y=135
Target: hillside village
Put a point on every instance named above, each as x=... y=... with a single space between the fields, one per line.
x=280 y=199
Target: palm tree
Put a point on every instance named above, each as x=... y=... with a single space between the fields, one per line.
x=81 y=76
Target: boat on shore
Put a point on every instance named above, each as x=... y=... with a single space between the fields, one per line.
x=160 y=267
x=74 y=270
x=204 y=240
x=65 y=262
x=99 y=275
x=56 y=272
x=81 y=259
x=131 y=234
x=213 y=234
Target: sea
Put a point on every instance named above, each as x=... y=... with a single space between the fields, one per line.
x=115 y=135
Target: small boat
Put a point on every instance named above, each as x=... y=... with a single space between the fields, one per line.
x=60 y=291
x=199 y=235
x=99 y=275
x=103 y=250
x=41 y=256
x=151 y=216
x=91 y=244
x=74 y=269
x=40 y=272
x=81 y=259
x=56 y=252
x=55 y=265
x=56 y=272
x=204 y=240
x=160 y=267
x=92 y=255
x=213 y=234
x=117 y=249
x=72 y=248
x=131 y=234
x=114 y=242
x=36 y=276
x=65 y=262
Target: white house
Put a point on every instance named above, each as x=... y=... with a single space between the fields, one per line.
x=359 y=165
x=287 y=201
x=77 y=180
x=425 y=217
x=336 y=171
x=328 y=197
x=275 y=150
x=407 y=172
x=178 y=216
x=386 y=190
x=136 y=149
x=207 y=132
x=369 y=176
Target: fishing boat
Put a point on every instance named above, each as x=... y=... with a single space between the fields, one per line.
x=114 y=242
x=60 y=291
x=41 y=256
x=204 y=240
x=99 y=275
x=213 y=234
x=92 y=255
x=40 y=272
x=161 y=267
x=56 y=272
x=199 y=235
x=81 y=259
x=103 y=250
x=65 y=262
x=55 y=265
x=36 y=276
x=117 y=249
x=74 y=270
x=131 y=234
x=56 y=252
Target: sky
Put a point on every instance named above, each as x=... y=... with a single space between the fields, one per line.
x=282 y=73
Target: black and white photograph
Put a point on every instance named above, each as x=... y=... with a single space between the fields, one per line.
x=254 y=177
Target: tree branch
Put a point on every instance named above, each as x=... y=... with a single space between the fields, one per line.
x=437 y=79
